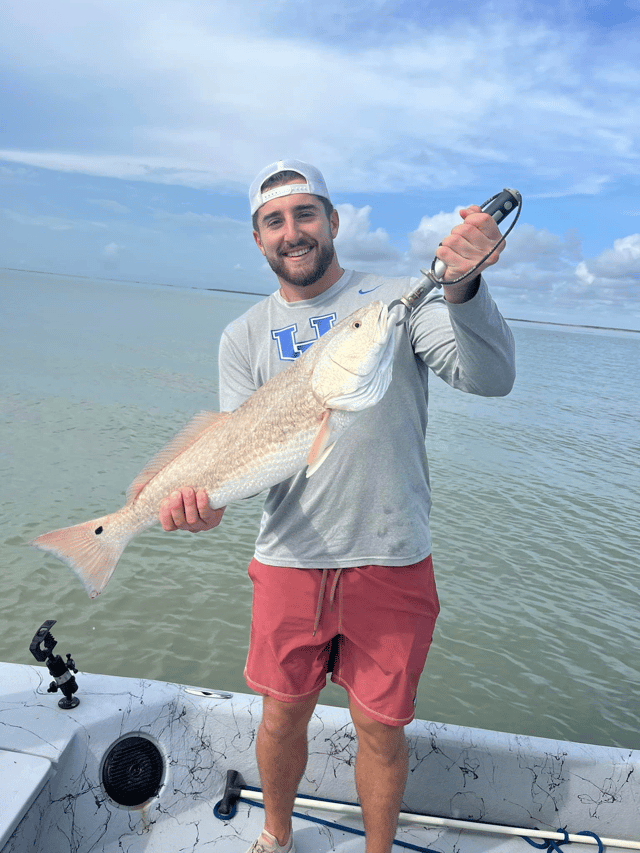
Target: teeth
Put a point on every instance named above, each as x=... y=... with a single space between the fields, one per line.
x=299 y=253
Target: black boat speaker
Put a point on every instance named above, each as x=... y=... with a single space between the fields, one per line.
x=132 y=771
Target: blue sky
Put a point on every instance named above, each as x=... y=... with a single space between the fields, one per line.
x=130 y=131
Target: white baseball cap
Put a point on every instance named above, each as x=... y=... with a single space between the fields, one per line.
x=314 y=183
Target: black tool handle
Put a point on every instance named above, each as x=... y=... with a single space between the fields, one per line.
x=503 y=204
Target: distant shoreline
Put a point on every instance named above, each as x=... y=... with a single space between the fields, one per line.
x=572 y=326
x=254 y=293
x=133 y=281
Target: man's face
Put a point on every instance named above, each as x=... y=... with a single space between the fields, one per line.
x=296 y=238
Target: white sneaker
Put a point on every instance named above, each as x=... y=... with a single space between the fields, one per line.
x=268 y=843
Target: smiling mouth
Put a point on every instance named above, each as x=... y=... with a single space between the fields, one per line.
x=297 y=253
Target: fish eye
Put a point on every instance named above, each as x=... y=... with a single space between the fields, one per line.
x=357 y=324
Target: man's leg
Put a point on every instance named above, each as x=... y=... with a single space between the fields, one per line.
x=381 y=777
x=282 y=753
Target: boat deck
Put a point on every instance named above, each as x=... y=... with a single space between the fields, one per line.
x=63 y=776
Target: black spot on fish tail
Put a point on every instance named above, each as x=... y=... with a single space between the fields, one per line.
x=98 y=530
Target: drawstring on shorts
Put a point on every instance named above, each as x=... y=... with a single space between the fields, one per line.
x=323 y=586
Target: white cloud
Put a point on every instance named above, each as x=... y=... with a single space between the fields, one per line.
x=622 y=261
x=430 y=232
x=199 y=220
x=111 y=255
x=53 y=223
x=9 y=174
x=384 y=99
x=109 y=204
x=357 y=244
x=536 y=270
x=160 y=170
x=111 y=250
x=543 y=275
x=610 y=281
x=527 y=244
x=204 y=95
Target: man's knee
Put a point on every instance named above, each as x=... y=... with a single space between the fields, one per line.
x=386 y=743
x=286 y=720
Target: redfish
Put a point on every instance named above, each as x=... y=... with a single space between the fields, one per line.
x=291 y=421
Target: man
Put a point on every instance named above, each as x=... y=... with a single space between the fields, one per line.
x=342 y=566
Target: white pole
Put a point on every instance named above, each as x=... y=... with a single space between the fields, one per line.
x=427 y=820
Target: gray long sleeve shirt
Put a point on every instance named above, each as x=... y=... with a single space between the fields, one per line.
x=369 y=502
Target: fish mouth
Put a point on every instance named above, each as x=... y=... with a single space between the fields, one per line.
x=384 y=328
x=383 y=323
x=387 y=338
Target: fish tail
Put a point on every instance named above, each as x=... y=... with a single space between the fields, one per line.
x=91 y=549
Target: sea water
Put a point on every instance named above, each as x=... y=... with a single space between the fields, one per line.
x=535 y=519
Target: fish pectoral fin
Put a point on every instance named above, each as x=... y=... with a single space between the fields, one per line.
x=322 y=446
x=187 y=436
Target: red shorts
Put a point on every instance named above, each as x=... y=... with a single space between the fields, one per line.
x=375 y=622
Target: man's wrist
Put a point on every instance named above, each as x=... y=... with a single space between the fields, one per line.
x=461 y=292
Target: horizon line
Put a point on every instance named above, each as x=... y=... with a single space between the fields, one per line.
x=255 y=293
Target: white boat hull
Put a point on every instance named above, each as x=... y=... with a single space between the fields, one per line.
x=53 y=797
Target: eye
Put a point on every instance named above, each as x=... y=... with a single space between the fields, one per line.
x=357 y=324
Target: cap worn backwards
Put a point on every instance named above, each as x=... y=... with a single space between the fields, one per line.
x=314 y=183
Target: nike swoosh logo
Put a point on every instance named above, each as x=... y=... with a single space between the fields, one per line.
x=364 y=292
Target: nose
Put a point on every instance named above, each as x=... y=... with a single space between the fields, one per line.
x=291 y=229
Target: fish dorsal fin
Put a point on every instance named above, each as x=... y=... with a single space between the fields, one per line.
x=187 y=436
x=322 y=445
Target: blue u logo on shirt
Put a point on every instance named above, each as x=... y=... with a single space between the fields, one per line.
x=289 y=348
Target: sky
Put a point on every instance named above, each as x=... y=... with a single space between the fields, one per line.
x=130 y=131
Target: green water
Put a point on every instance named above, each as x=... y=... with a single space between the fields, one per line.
x=535 y=520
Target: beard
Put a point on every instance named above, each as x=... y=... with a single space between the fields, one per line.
x=304 y=278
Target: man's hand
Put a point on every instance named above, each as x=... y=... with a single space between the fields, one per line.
x=186 y=509
x=467 y=244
